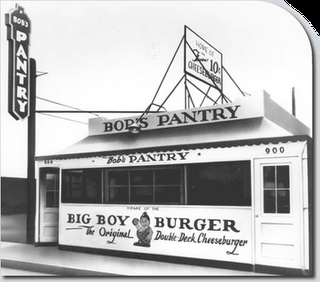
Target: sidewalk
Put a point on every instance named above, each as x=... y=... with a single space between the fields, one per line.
x=51 y=260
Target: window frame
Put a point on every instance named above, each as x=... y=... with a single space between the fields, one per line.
x=276 y=189
x=247 y=164
x=180 y=186
x=84 y=176
x=43 y=172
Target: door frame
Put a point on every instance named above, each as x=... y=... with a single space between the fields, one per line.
x=296 y=206
x=41 y=199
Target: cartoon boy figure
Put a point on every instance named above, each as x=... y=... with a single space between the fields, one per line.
x=144 y=231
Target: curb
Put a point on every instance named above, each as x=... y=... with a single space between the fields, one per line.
x=51 y=269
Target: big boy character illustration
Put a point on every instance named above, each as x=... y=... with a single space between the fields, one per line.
x=144 y=231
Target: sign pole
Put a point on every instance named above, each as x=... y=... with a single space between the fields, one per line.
x=293 y=102
x=184 y=67
x=31 y=198
x=22 y=97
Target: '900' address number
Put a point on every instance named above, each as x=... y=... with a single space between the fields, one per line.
x=275 y=150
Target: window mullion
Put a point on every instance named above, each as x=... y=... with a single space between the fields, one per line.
x=276 y=189
x=184 y=185
x=154 y=185
x=129 y=186
x=102 y=186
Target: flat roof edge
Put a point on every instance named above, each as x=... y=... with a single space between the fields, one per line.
x=284 y=119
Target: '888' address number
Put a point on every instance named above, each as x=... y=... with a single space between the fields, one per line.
x=274 y=150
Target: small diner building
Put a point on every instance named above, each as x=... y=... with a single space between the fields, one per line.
x=228 y=185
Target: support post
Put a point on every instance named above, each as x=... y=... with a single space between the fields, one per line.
x=293 y=102
x=31 y=190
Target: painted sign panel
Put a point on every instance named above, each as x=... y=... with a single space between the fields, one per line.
x=178 y=118
x=18 y=31
x=146 y=158
x=202 y=60
x=240 y=109
x=207 y=232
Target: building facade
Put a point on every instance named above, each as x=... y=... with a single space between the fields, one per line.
x=227 y=185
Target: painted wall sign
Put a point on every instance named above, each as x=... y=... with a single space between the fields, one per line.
x=202 y=60
x=240 y=109
x=18 y=32
x=208 y=233
x=168 y=157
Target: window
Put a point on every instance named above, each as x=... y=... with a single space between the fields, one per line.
x=81 y=186
x=276 y=189
x=160 y=186
x=141 y=186
x=219 y=184
x=118 y=187
x=167 y=185
x=49 y=180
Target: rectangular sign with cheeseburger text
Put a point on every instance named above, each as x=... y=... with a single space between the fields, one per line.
x=208 y=233
x=202 y=61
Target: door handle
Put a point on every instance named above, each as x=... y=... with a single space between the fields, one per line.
x=256 y=215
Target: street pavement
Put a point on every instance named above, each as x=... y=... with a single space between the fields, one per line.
x=24 y=260
x=18 y=272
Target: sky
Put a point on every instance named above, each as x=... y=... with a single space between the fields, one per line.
x=105 y=55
